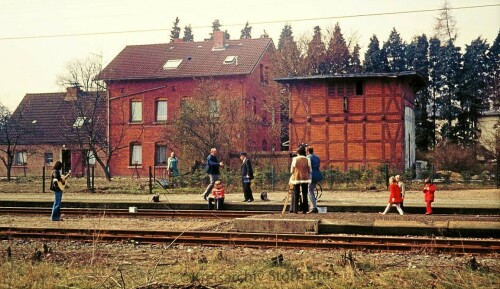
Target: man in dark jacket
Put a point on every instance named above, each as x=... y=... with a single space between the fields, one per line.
x=315 y=177
x=246 y=177
x=213 y=170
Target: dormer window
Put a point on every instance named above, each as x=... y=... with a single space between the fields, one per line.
x=231 y=59
x=79 y=122
x=172 y=64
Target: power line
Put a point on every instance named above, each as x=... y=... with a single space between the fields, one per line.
x=242 y=24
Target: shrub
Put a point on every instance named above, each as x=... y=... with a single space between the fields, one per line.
x=453 y=157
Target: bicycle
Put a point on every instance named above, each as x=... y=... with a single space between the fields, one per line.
x=318 y=191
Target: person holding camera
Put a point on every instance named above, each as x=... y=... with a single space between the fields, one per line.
x=300 y=179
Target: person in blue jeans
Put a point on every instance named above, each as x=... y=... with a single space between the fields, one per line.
x=213 y=170
x=55 y=177
x=316 y=177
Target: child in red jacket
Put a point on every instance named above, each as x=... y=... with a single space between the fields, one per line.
x=428 y=191
x=217 y=197
x=394 y=197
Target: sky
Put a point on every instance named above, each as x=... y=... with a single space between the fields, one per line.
x=38 y=37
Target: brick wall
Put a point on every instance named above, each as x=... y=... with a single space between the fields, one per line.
x=347 y=129
x=149 y=132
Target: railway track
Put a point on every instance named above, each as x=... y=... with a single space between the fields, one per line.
x=143 y=213
x=260 y=240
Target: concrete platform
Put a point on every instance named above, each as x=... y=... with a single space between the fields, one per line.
x=377 y=227
x=278 y=226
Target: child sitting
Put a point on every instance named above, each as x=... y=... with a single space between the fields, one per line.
x=217 y=197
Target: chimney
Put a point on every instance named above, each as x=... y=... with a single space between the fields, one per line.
x=177 y=40
x=219 y=37
x=72 y=93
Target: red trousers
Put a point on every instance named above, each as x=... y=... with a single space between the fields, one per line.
x=428 y=208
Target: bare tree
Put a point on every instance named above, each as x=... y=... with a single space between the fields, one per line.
x=12 y=130
x=445 y=26
x=89 y=113
x=213 y=117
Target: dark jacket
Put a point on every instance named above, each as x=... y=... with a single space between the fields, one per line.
x=246 y=169
x=316 y=175
x=213 y=166
x=54 y=177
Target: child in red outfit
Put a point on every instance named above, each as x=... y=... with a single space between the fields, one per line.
x=217 y=197
x=428 y=191
x=395 y=197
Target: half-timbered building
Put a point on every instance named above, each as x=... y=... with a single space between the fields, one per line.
x=355 y=120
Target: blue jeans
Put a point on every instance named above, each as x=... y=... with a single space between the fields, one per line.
x=213 y=179
x=311 y=194
x=56 y=209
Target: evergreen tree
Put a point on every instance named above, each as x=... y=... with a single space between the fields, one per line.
x=355 y=62
x=288 y=60
x=374 y=57
x=315 y=53
x=473 y=97
x=493 y=88
x=394 y=48
x=176 y=30
x=434 y=77
x=188 y=34
x=417 y=59
x=246 y=33
x=449 y=69
x=337 y=54
x=285 y=36
x=215 y=27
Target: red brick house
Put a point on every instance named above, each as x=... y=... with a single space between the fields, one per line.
x=355 y=120
x=147 y=83
x=43 y=130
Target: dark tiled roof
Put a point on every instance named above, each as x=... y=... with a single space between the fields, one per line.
x=198 y=59
x=46 y=118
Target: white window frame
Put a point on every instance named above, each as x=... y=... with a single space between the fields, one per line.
x=231 y=59
x=161 y=112
x=45 y=158
x=161 y=154
x=136 y=154
x=20 y=158
x=135 y=111
x=172 y=64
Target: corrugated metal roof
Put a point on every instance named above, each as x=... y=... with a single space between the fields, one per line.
x=352 y=75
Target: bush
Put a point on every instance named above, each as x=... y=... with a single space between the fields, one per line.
x=453 y=157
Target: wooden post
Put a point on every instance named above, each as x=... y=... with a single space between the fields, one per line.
x=150 y=180
x=43 y=179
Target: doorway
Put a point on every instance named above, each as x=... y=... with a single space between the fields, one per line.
x=66 y=161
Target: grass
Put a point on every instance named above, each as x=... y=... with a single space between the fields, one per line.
x=77 y=265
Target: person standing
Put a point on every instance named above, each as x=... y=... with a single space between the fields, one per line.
x=402 y=188
x=316 y=177
x=213 y=170
x=301 y=177
x=172 y=163
x=428 y=191
x=246 y=177
x=56 y=177
x=394 y=197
